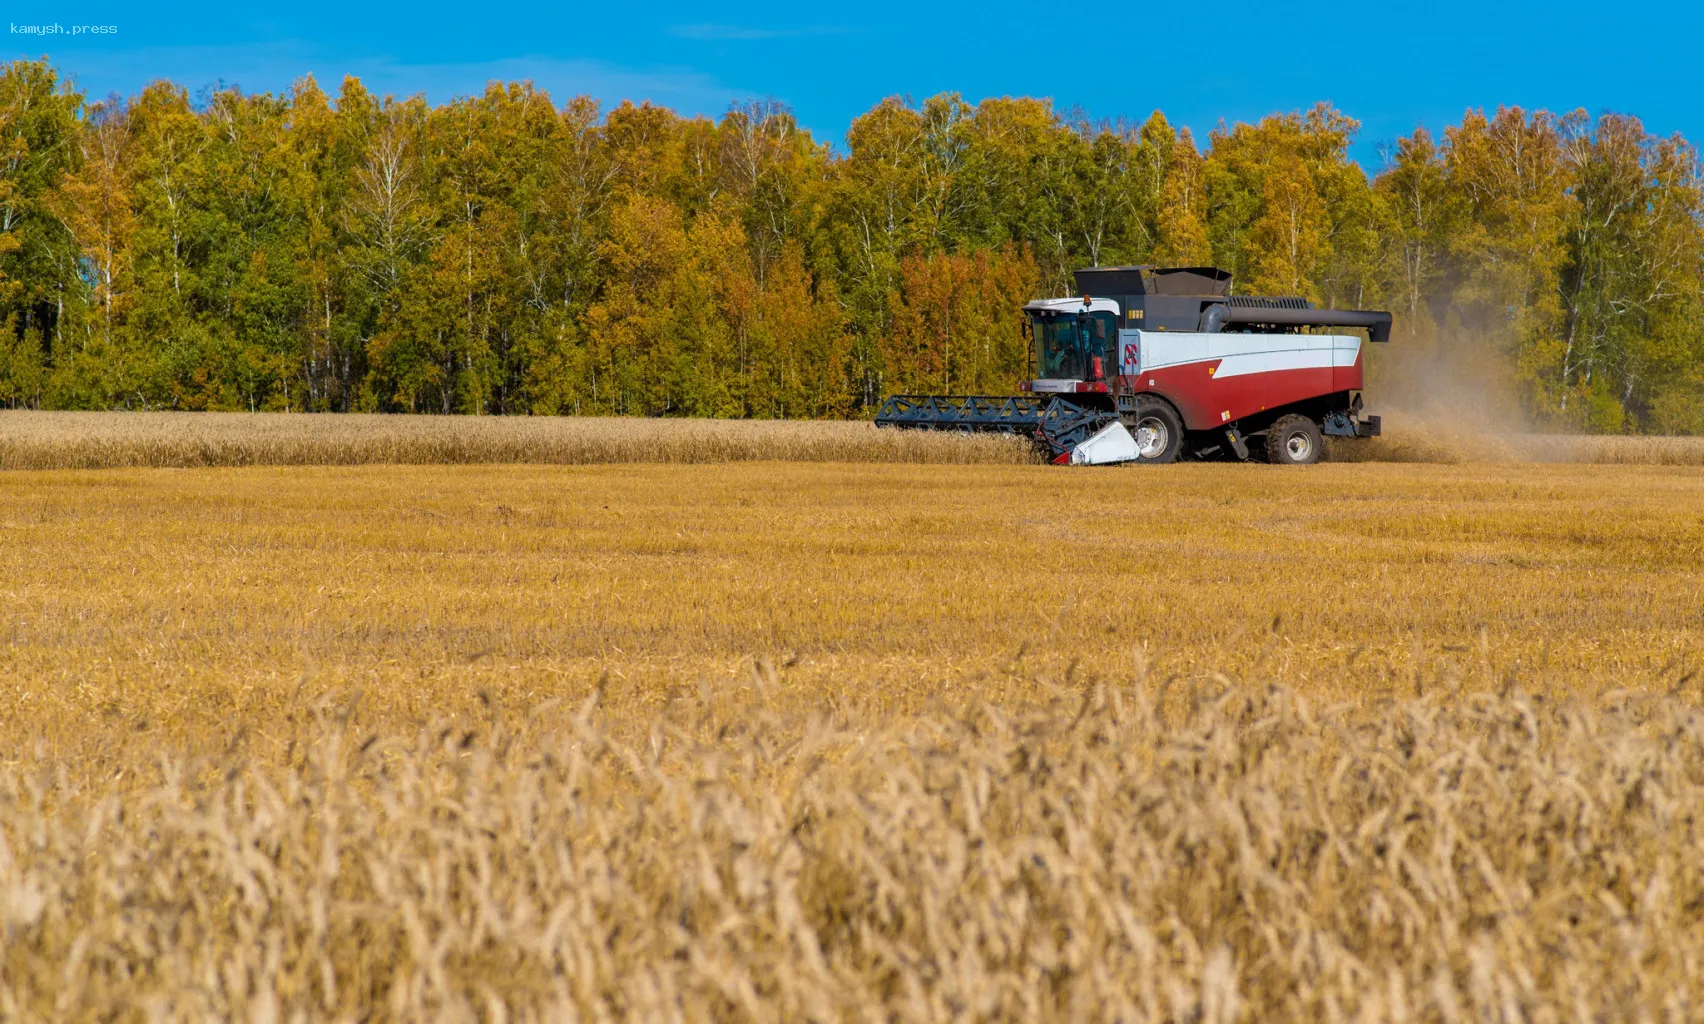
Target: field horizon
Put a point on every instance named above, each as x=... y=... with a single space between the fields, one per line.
x=31 y=439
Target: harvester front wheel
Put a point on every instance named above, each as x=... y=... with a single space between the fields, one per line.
x=1294 y=441
x=1158 y=432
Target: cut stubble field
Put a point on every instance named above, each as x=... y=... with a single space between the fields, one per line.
x=204 y=600
x=777 y=739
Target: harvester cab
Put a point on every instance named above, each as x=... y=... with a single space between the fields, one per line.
x=1075 y=341
x=1147 y=364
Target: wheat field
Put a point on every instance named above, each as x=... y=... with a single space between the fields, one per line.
x=117 y=440
x=841 y=740
x=83 y=440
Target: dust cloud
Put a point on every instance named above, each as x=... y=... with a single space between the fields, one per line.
x=1446 y=395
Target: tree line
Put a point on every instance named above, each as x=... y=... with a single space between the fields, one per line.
x=503 y=254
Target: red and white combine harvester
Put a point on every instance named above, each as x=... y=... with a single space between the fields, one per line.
x=1151 y=364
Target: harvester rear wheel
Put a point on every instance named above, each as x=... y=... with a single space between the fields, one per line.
x=1294 y=441
x=1158 y=432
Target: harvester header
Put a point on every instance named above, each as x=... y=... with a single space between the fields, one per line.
x=1148 y=363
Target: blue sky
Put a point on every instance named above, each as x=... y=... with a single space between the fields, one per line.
x=1390 y=65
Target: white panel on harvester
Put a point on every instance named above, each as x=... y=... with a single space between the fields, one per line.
x=1112 y=443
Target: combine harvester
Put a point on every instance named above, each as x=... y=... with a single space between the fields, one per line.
x=1151 y=364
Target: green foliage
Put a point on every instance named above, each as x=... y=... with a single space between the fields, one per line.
x=22 y=368
x=500 y=254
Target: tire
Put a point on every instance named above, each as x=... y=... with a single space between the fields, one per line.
x=1294 y=441
x=1158 y=431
